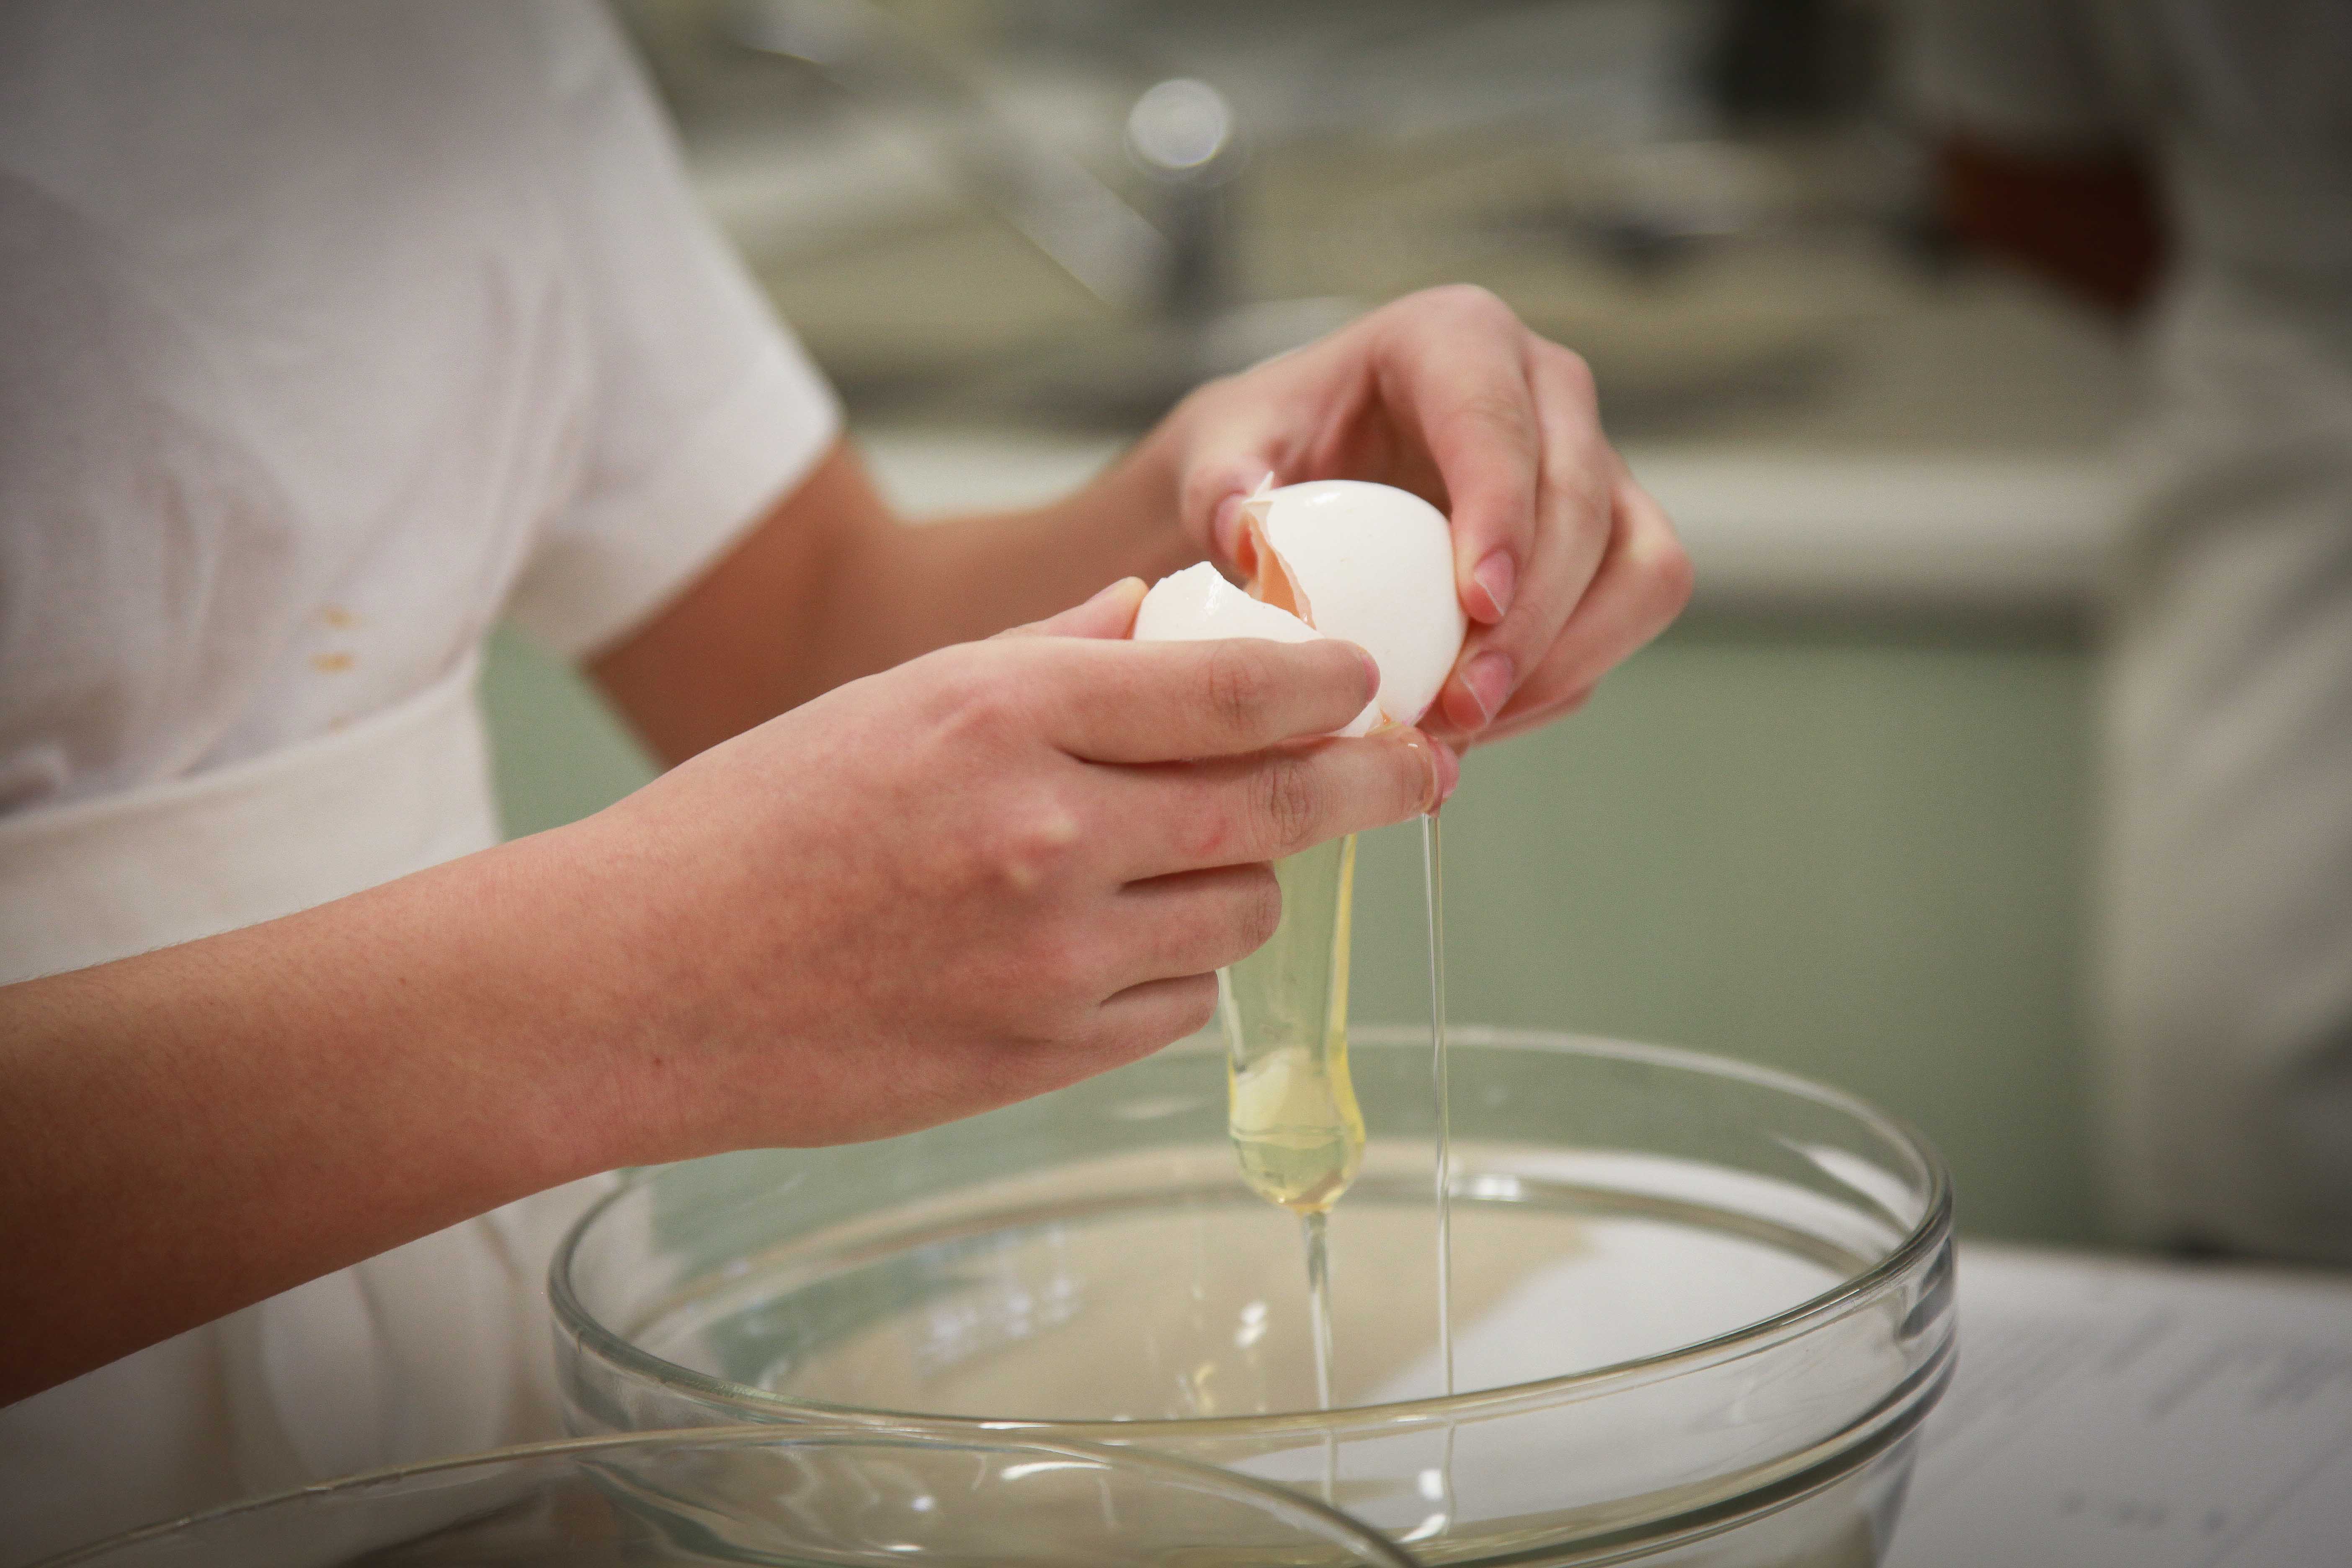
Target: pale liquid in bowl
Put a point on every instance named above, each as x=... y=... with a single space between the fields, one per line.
x=1088 y=1298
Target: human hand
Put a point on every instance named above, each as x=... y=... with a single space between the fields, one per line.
x=1563 y=564
x=981 y=875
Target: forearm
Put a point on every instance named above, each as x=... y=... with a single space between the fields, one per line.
x=197 y=1128
x=832 y=586
x=962 y=578
x=1561 y=559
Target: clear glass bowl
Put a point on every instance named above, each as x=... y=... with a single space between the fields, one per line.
x=837 y=1494
x=1700 y=1307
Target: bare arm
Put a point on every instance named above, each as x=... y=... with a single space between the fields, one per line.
x=737 y=954
x=832 y=585
x=729 y=957
x=197 y=1128
x=1563 y=564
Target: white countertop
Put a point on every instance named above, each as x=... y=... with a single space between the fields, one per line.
x=2114 y=1412
x=1870 y=533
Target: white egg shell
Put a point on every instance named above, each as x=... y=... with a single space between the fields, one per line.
x=1373 y=564
x=1197 y=604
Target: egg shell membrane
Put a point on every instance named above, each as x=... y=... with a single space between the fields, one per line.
x=1280 y=587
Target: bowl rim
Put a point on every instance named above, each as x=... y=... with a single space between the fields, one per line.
x=1929 y=1233
x=1341 y=1528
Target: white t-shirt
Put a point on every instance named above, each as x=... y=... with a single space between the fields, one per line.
x=328 y=333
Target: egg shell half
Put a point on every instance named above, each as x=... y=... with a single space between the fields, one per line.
x=1373 y=564
x=1198 y=605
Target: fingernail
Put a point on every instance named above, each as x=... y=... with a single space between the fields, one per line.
x=1432 y=792
x=1488 y=678
x=1500 y=576
x=1120 y=589
x=1449 y=773
x=1126 y=595
x=1371 y=670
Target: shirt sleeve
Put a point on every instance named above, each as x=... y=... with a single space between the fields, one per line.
x=2025 y=73
x=702 y=409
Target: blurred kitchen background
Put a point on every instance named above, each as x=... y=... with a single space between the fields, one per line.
x=1838 y=820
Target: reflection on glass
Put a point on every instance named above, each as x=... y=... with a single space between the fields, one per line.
x=823 y=1495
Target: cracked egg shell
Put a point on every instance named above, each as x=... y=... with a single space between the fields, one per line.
x=1368 y=562
x=1197 y=604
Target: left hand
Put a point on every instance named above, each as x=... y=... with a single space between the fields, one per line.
x=1563 y=564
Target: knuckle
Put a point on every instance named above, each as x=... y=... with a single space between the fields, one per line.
x=1239 y=686
x=1589 y=498
x=1414 y=779
x=1290 y=803
x=1196 y=1004
x=1505 y=413
x=1575 y=374
x=1260 y=915
x=1062 y=969
x=1208 y=836
x=1672 y=578
x=1206 y=484
x=1034 y=844
x=1472 y=302
x=977 y=703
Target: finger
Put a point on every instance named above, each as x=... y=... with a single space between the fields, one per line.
x=1519 y=723
x=1191 y=922
x=1168 y=702
x=1548 y=695
x=1128 y=1023
x=1572 y=533
x=1455 y=369
x=1643 y=582
x=1142 y=1018
x=1234 y=811
x=1229 y=461
x=1269 y=423
x=1109 y=614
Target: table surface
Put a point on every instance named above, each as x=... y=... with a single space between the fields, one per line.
x=2110 y=1413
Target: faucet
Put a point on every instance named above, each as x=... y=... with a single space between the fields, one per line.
x=1181 y=132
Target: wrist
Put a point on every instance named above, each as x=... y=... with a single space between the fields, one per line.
x=578 y=962
x=1142 y=495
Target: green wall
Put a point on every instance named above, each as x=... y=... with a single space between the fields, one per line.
x=557 y=749
x=1854 y=854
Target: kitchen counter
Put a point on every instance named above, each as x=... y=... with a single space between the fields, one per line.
x=2114 y=1413
x=1769 y=530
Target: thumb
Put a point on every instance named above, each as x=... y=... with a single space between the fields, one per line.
x=1108 y=614
x=1215 y=493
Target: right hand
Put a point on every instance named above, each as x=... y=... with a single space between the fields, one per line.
x=984 y=874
